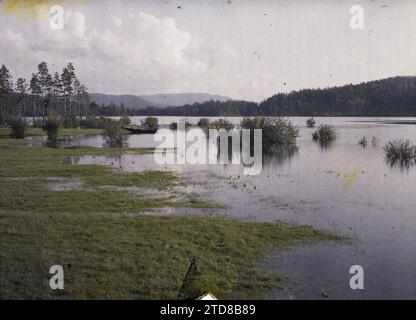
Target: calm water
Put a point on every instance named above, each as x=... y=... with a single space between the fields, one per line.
x=345 y=188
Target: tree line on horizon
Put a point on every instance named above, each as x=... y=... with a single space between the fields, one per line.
x=44 y=95
x=63 y=95
x=387 y=97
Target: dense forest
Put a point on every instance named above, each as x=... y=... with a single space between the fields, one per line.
x=387 y=97
x=44 y=95
x=63 y=95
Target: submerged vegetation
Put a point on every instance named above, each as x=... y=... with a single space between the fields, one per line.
x=220 y=124
x=400 y=151
x=363 y=142
x=174 y=125
x=310 y=123
x=18 y=128
x=324 y=134
x=151 y=123
x=114 y=134
x=276 y=132
x=203 y=122
x=52 y=127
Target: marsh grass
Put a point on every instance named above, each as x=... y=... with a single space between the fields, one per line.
x=114 y=134
x=218 y=125
x=125 y=120
x=151 y=123
x=107 y=254
x=18 y=128
x=324 y=134
x=52 y=127
x=37 y=132
x=363 y=142
x=400 y=151
x=310 y=123
x=203 y=122
x=174 y=125
x=277 y=133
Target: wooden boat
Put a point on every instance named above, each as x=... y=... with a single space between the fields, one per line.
x=139 y=129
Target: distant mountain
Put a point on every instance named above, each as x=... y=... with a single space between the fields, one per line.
x=129 y=101
x=155 y=100
x=391 y=97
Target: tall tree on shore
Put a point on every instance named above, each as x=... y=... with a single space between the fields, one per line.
x=6 y=88
x=21 y=89
x=36 y=91
x=85 y=99
x=77 y=97
x=46 y=84
x=57 y=91
x=67 y=78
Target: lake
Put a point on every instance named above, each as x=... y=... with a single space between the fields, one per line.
x=343 y=187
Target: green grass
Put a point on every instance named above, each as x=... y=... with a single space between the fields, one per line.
x=109 y=254
x=113 y=256
x=5 y=132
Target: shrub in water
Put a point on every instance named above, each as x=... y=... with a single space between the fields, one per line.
x=174 y=125
x=114 y=134
x=310 y=123
x=324 y=133
x=18 y=126
x=374 y=142
x=4 y=119
x=363 y=142
x=125 y=120
x=93 y=123
x=276 y=132
x=52 y=127
x=400 y=151
x=150 y=122
x=38 y=123
x=219 y=124
x=203 y=123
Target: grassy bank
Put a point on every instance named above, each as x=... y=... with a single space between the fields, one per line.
x=5 y=132
x=107 y=253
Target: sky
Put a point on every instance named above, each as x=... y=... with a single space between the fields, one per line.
x=242 y=49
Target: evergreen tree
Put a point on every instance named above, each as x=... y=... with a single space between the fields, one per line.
x=36 y=91
x=6 y=88
x=21 y=89
x=67 y=78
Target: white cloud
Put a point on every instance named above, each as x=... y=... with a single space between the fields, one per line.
x=137 y=54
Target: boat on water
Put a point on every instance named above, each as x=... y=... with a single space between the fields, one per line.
x=139 y=129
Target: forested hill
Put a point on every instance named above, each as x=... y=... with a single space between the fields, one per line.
x=387 y=97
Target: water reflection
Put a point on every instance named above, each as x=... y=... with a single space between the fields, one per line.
x=324 y=144
x=404 y=165
x=280 y=156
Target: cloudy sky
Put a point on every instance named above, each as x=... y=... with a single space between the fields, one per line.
x=242 y=49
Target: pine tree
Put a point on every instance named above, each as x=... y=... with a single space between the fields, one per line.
x=57 y=91
x=6 y=88
x=21 y=88
x=46 y=84
x=36 y=91
x=67 y=78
